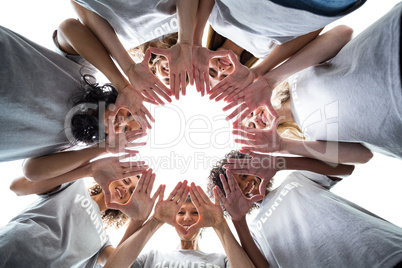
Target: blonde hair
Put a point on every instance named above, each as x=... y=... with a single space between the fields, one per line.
x=215 y=41
x=290 y=130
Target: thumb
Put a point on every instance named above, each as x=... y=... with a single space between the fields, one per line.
x=193 y=227
x=159 y=51
x=157 y=193
x=112 y=205
x=263 y=186
x=220 y=53
x=257 y=198
x=147 y=55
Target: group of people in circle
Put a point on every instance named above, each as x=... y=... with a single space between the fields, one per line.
x=286 y=83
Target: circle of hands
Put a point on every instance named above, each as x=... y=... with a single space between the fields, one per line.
x=240 y=90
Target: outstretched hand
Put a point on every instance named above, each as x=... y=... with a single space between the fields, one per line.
x=132 y=100
x=106 y=170
x=201 y=58
x=233 y=84
x=166 y=210
x=236 y=204
x=259 y=140
x=141 y=203
x=255 y=95
x=210 y=214
x=121 y=142
x=179 y=57
x=146 y=82
x=261 y=165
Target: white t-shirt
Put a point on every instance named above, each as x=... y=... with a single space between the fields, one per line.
x=181 y=258
x=137 y=21
x=356 y=96
x=302 y=224
x=61 y=229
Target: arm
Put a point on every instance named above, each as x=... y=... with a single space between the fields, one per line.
x=23 y=186
x=165 y=211
x=54 y=165
x=282 y=52
x=248 y=244
x=211 y=214
x=203 y=11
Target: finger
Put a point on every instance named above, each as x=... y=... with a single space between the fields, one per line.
x=206 y=82
x=234 y=60
x=147 y=113
x=164 y=89
x=141 y=181
x=193 y=196
x=202 y=83
x=148 y=96
x=232 y=104
x=160 y=51
x=106 y=194
x=184 y=195
x=183 y=83
x=197 y=79
x=225 y=93
x=132 y=136
x=225 y=184
x=190 y=75
x=157 y=193
x=135 y=144
x=257 y=198
x=222 y=197
x=243 y=134
x=231 y=181
x=155 y=96
x=236 y=112
x=140 y=119
x=243 y=115
x=203 y=195
x=150 y=184
x=216 y=196
x=194 y=227
x=235 y=95
x=218 y=89
x=162 y=193
x=113 y=205
x=181 y=229
x=263 y=186
x=173 y=193
x=247 y=142
x=197 y=194
x=176 y=84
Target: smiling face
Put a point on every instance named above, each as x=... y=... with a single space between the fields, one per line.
x=260 y=118
x=122 y=190
x=219 y=68
x=248 y=184
x=187 y=216
x=162 y=71
x=124 y=121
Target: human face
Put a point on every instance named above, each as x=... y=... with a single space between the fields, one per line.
x=260 y=118
x=187 y=216
x=249 y=185
x=219 y=68
x=125 y=122
x=162 y=71
x=122 y=190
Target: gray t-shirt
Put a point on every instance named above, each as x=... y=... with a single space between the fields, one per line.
x=258 y=26
x=356 y=96
x=136 y=22
x=181 y=258
x=61 y=229
x=302 y=224
x=36 y=85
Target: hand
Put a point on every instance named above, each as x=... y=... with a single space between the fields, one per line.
x=106 y=170
x=260 y=165
x=146 y=82
x=179 y=57
x=141 y=203
x=131 y=99
x=120 y=142
x=255 y=95
x=210 y=214
x=166 y=210
x=201 y=58
x=259 y=140
x=235 y=83
x=236 y=204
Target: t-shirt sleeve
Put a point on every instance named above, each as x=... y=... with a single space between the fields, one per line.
x=140 y=261
x=58 y=189
x=320 y=179
x=227 y=264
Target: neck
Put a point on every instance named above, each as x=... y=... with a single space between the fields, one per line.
x=193 y=244
x=100 y=200
x=285 y=113
x=229 y=45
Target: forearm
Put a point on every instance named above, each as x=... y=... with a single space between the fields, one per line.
x=106 y=34
x=282 y=52
x=133 y=226
x=329 y=151
x=314 y=165
x=51 y=166
x=126 y=253
x=249 y=245
x=322 y=48
x=186 y=13
x=72 y=34
x=22 y=186
x=236 y=255
x=203 y=11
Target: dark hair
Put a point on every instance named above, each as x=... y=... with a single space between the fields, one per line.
x=85 y=123
x=215 y=41
x=110 y=217
x=214 y=179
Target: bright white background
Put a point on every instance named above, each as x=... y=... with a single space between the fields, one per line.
x=190 y=135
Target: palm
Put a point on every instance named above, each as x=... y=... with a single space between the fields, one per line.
x=259 y=140
x=237 y=205
x=201 y=57
x=165 y=211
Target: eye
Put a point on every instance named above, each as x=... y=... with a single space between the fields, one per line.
x=243 y=177
x=195 y=213
x=223 y=77
x=125 y=181
x=125 y=129
x=212 y=73
x=180 y=213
